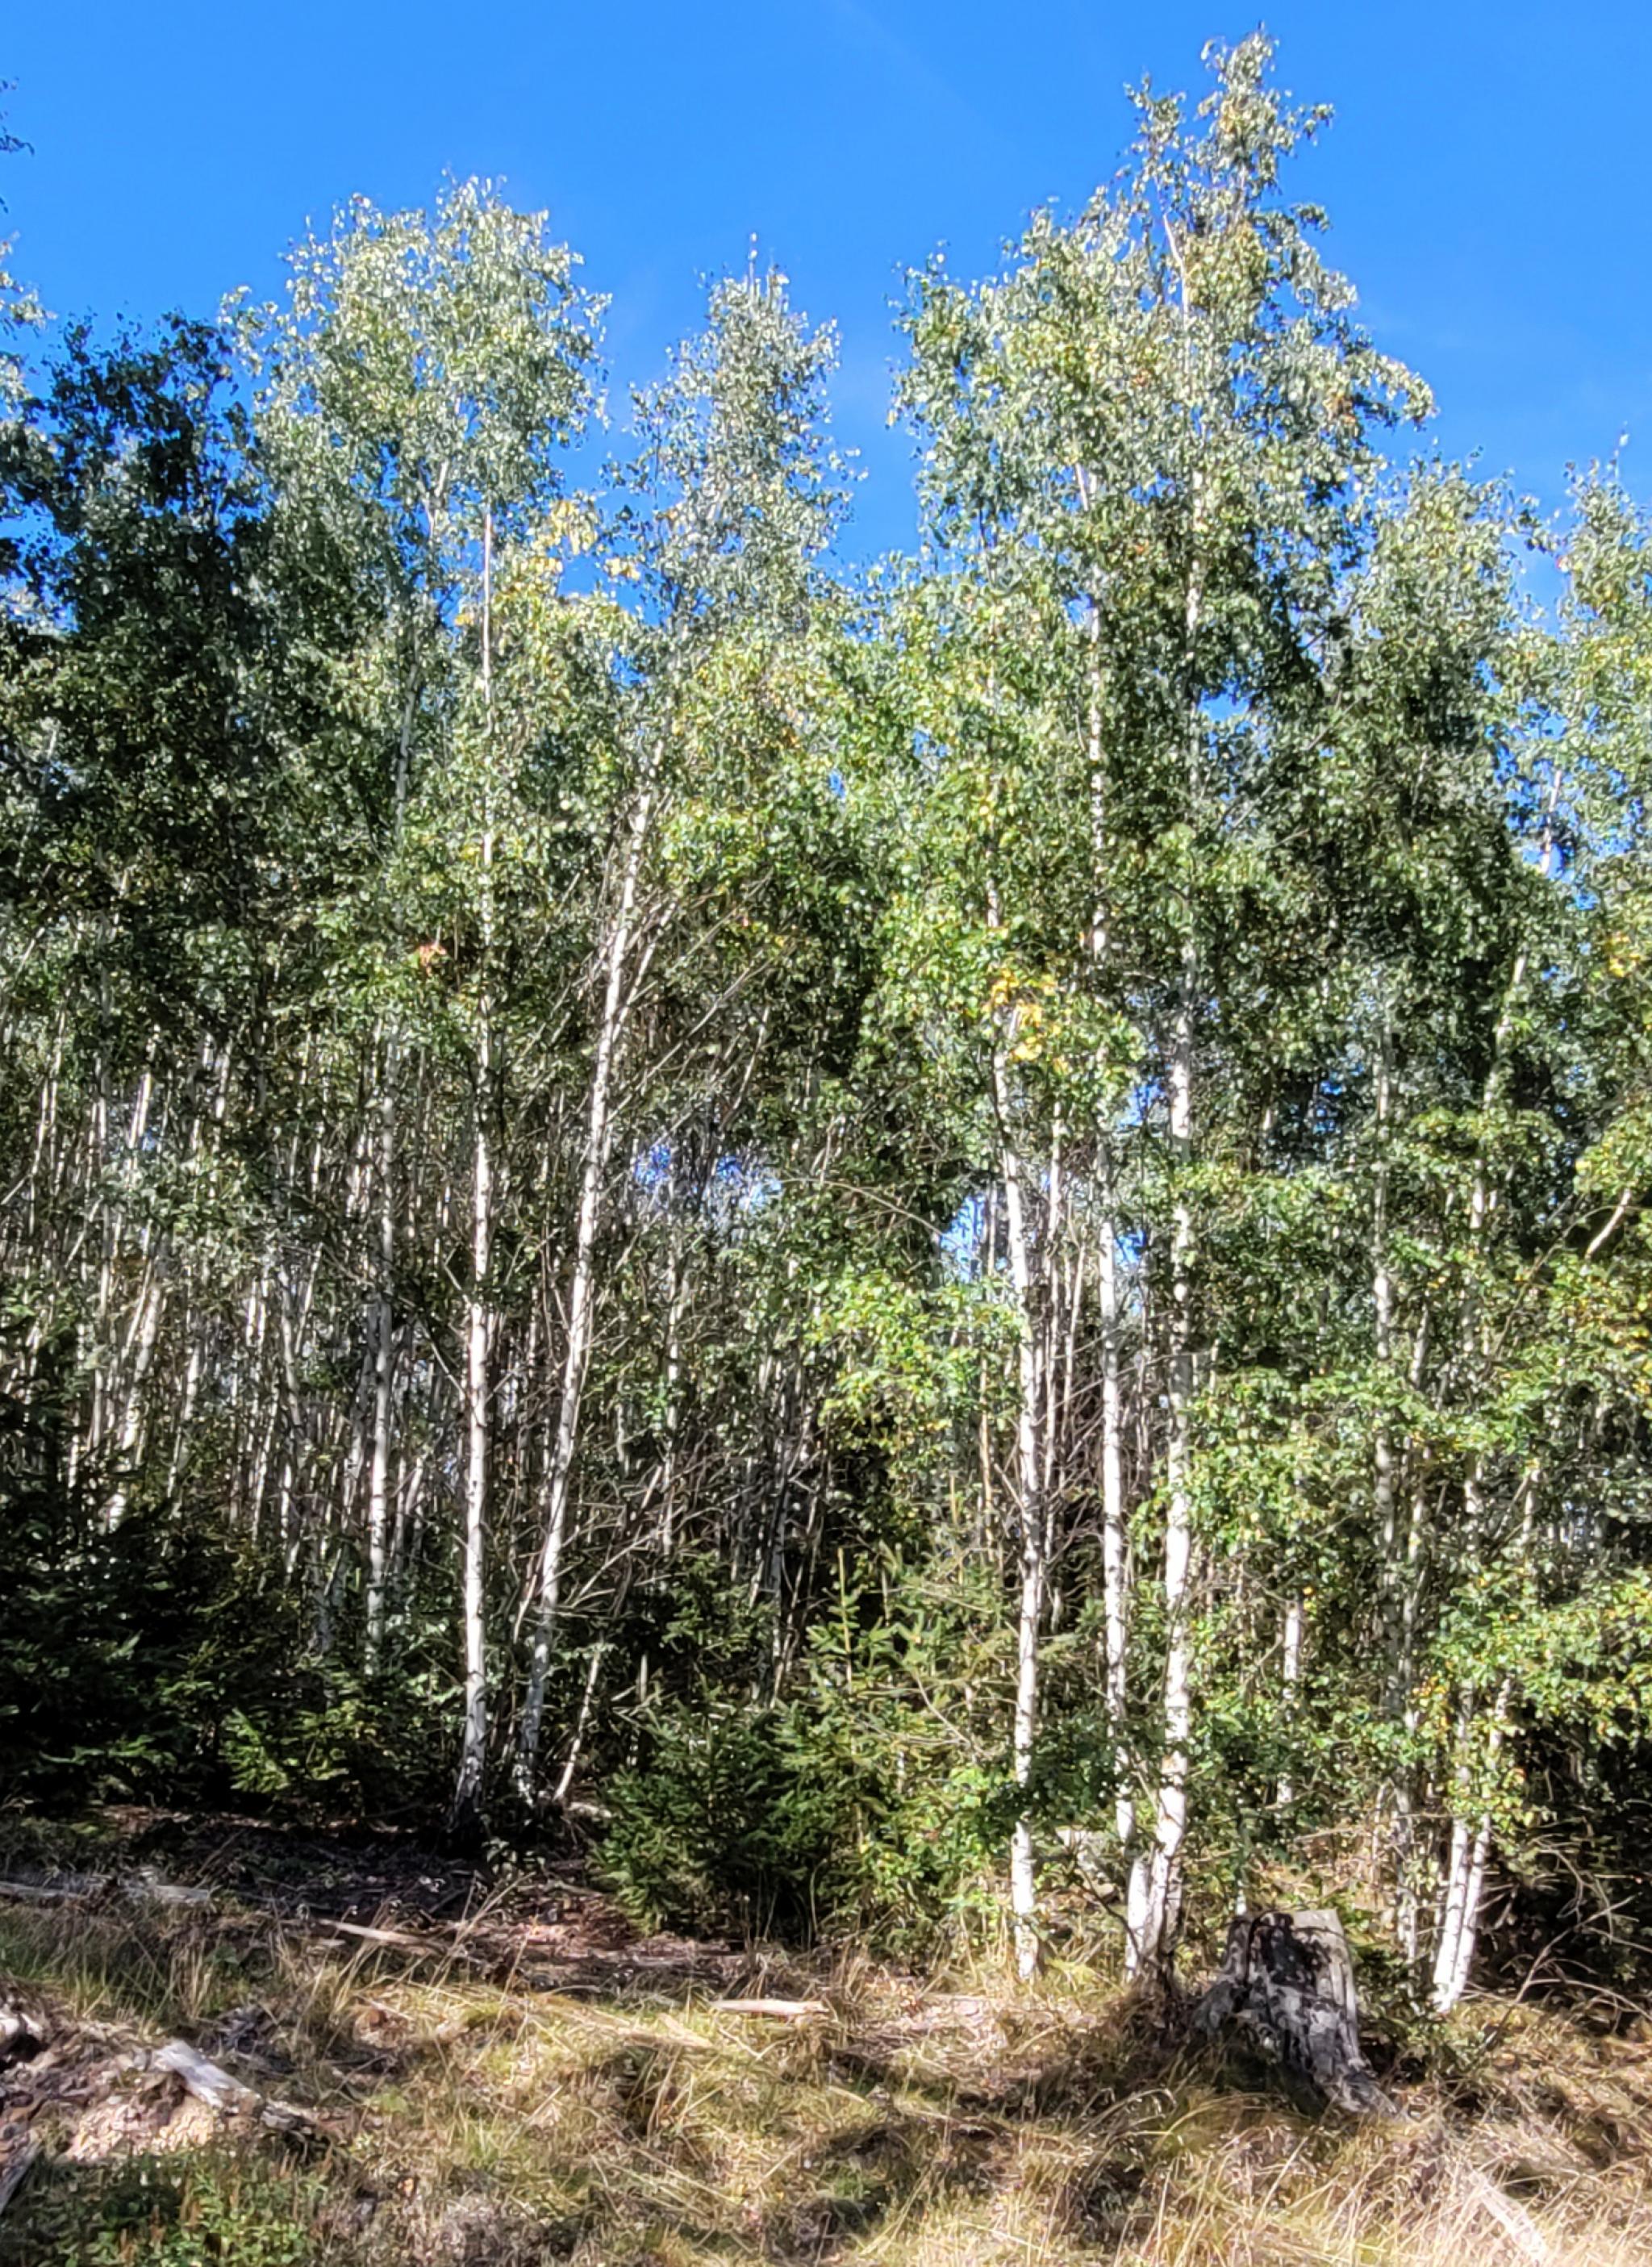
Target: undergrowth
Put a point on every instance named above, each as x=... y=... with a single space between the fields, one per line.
x=476 y=2109
x=216 y=2206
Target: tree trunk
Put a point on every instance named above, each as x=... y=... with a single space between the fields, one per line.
x=1115 y=1570
x=1470 y=1847
x=1286 y=1986
x=1291 y=1684
x=1155 y=1893
x=1115 y=1558
x=581 y=1289
x=383 y=1367
x=1155 y=1901
x=1033 y=1537
x=1465 y=1868
x=145 y=1336
x=466 y=1814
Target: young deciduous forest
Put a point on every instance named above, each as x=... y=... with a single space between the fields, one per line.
x=951 y=1259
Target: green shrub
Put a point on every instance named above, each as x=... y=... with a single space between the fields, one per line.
x=214 y=2209
x=169 y=1661
x=718 y=1829
x=875 y=1799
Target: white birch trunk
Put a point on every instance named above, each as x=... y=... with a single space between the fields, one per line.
x=466 y=1814
x=105 y=1374
x=1466 y=1867
x=384 y=1332
x=1469 y=1843
x=1291 y=1680
x=1115 y=1538
x=1160 y=1893
x=575 y=1745
x=1024 y=1893
x=382 y=1340
x=1115 y=1558
x=1471 y=1837
x=1450 y=1979
x=478 y=1333
x=129 y=1440
x=1382 y=1474
x=676 y=1302
x=581 y=1299
x=1155 y=1895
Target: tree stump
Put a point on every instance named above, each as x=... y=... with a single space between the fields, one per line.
x=1286 y=1986
x=24 y=2029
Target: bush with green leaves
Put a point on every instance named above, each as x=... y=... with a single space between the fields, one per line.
x=199 y=2210
x=871 y=1800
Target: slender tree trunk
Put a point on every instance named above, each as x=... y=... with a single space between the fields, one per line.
x=1290 y=1683
x=1465 y=1858
x=191 y=1394
x=1456 y=1958
x=1115 y=1558
x=465 y=1815
x=582 y=1722
x=384 y=1361
x=1156 y=1900
x=1383 y=1478
x=1469 y=1843
x=129 y=1440
x=581 y=1299
x=1115 y=1564
x=1471 y=1831
x=675 y=1307
x=1033 y=1524
x=1161 y=1893
x=384 y=1322
x=106 y=1380
x=467 y=1792
x=1399 y=1538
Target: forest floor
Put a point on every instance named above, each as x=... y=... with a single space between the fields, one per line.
x=468 y=2076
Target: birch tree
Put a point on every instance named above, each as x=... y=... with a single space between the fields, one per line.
x=415 y=391
x=734 y=498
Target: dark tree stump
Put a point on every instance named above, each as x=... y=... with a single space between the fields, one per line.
x=1286 y=1986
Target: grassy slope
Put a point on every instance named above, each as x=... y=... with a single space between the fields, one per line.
x=528 y=2087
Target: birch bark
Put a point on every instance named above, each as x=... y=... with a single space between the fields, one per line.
x=581 y=1287
x=466 y=1814
x=1033 y=1525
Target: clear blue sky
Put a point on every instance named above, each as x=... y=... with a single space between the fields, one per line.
x=1486 y=174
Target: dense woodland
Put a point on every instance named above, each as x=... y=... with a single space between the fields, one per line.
x=898 y=1245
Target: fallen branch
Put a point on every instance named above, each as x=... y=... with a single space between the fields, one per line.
x=143 y=1887
x=209 y=2083
x=446 y=1948
x=1515 y=2220
x=397 y=1939
x=785 y=2011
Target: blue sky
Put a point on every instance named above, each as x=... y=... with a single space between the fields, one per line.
x=1485 y=176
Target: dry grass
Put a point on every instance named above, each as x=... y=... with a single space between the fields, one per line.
x=476 y=2118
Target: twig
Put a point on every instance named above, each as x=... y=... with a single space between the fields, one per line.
x=789 y=2011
